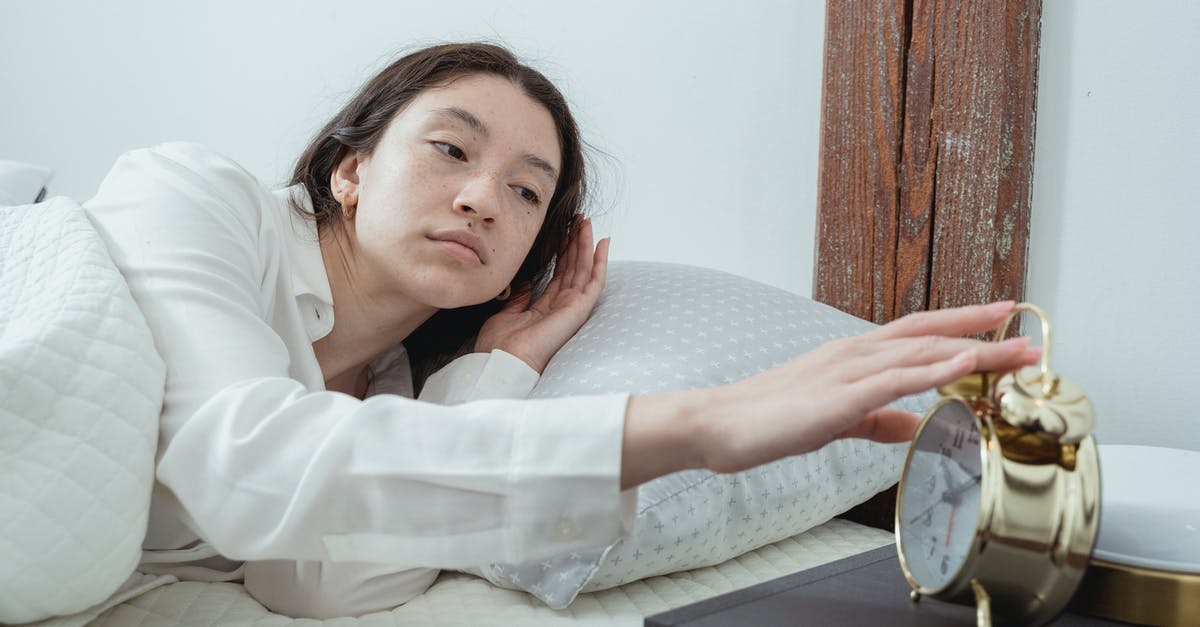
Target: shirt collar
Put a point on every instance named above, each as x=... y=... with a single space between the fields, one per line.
x=310 y=283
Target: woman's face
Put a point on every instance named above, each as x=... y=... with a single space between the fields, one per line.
x=453 y=196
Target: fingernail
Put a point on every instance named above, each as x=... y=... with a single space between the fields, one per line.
x=960 y=360
x=1033 y=353
x=1021 y=340
x=1003 y=305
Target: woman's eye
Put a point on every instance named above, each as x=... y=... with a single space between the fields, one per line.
x=452 y=151
x=529 y=195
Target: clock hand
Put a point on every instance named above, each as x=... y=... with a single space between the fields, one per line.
x=949 y=496
x=946 y=474
x=950 y=527
x=954 y=494
x=914 y=519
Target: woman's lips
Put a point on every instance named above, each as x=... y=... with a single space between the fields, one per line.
x=458 y=250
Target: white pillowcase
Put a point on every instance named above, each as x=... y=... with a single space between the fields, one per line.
x=82 y=386
x=662 y=327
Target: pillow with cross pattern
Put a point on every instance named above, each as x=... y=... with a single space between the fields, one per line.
x=661 y=327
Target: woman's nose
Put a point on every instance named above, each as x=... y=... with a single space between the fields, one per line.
x=479 y=197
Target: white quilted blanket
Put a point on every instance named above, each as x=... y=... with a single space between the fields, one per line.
x=81 y=388
x=458 y=600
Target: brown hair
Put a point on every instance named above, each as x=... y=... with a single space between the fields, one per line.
x=360 y=126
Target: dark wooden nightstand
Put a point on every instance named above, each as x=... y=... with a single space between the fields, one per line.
x=863 y=589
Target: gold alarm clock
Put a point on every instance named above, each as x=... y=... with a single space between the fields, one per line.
x=1000 y=495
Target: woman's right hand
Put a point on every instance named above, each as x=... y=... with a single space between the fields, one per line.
x=839 y=390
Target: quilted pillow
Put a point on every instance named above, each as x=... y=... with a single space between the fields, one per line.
x=82 y=388
x=661 y=327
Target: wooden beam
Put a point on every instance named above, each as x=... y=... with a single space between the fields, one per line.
x=857 y=186
x=983 y=106
x=918 y=162
x=926 y=154
x=926 y=164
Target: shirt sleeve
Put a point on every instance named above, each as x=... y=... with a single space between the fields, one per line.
x=262 y=467
x=478 y=376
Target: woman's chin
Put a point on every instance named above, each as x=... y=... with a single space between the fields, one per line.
x=454 y=300
x=445 y=290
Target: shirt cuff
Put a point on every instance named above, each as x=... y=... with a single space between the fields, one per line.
x=553 y=514
x=480 y=376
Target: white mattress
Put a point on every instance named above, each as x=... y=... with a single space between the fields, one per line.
x=462 y=600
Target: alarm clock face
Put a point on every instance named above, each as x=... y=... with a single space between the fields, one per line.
x=939 y=501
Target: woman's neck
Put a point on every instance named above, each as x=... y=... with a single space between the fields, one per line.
x=367 y=320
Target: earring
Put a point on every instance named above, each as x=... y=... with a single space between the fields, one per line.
x=339 y=195
x=505 y=294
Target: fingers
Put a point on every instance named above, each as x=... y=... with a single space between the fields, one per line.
x=599 y=267
x=887 y=385
x=564 y=264
x=581 y=265
x=952 y=322
x=871 y=357
x=581 y=248
x=885 y=425
x=578 y=266
x=884 y=383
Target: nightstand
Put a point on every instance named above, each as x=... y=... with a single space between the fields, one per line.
x=863 y=589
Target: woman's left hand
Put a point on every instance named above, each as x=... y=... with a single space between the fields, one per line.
x=535 y=333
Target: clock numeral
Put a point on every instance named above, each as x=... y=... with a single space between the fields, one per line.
x=945 y=564
x=959 y=438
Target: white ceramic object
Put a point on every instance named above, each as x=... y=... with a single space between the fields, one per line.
x=1150 y=507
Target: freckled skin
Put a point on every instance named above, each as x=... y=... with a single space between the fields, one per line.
x=409 y=187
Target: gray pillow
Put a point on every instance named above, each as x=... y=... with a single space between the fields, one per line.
x=661 y=327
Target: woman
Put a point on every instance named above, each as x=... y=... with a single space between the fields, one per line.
x=288 y=322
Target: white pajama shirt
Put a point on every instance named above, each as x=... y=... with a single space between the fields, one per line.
x=257 y=462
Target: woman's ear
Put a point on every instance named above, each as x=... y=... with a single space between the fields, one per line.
x=343 y=181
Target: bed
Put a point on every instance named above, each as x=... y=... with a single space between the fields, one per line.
x=460 y=600
x=884 y=248
x=74 y=521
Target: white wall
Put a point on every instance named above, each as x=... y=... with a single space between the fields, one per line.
x=710 y=113
x=1113 y=252
x=709 y=110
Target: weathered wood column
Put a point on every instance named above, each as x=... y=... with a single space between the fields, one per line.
x=926 y=164
x=926 y=153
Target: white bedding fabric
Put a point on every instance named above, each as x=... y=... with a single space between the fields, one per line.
x=459 y=600
x=82 y=387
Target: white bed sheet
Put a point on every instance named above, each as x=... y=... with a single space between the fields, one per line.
x=458 y=600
